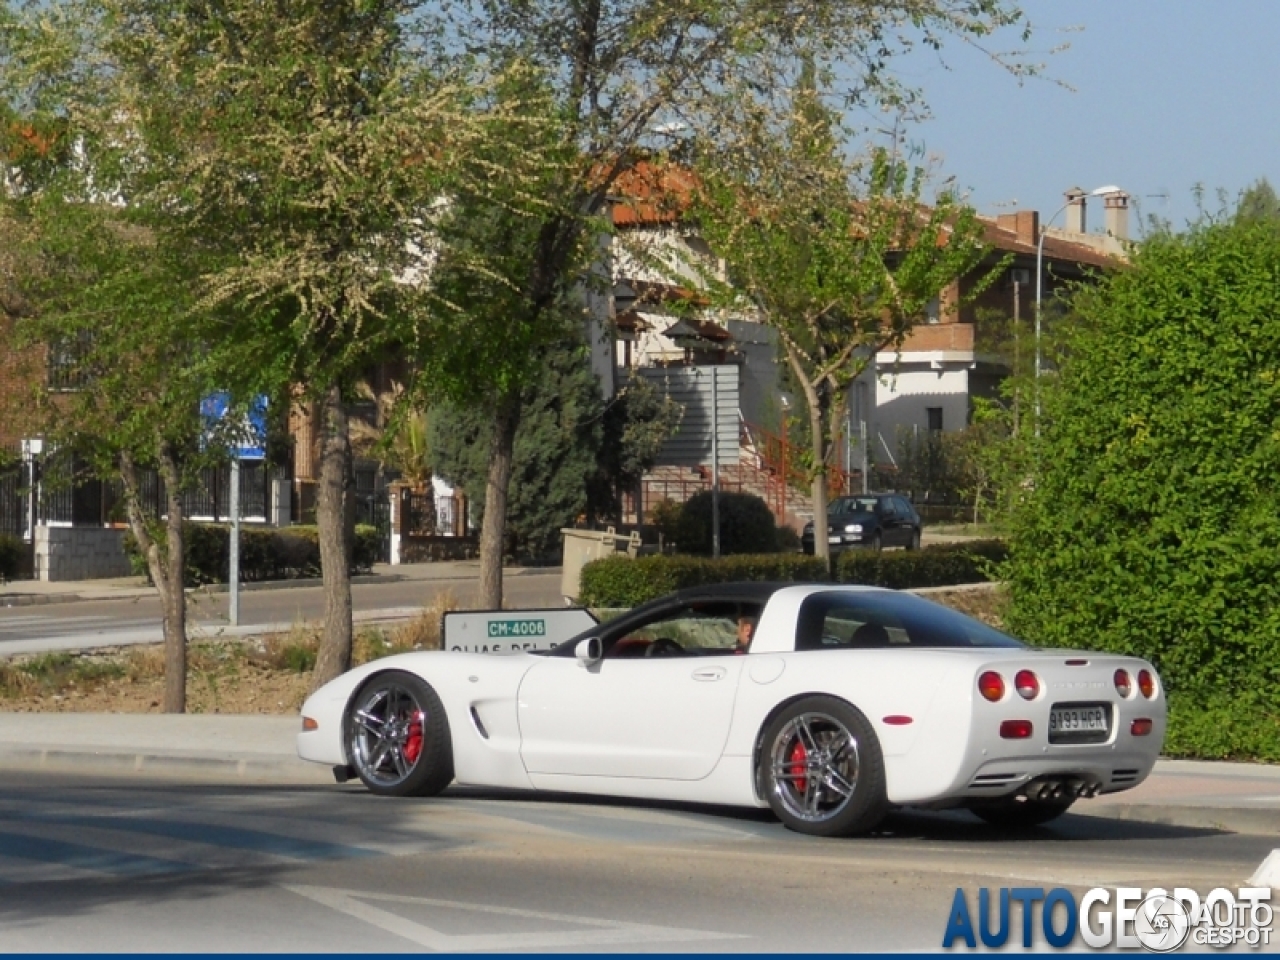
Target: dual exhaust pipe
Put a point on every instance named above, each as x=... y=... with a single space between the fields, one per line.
x=1061 y=788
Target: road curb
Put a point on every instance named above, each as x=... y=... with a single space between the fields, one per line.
x=133 y=593
x=144 y=763
x=1231 y=819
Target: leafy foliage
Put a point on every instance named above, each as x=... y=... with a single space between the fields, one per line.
x=636 y=423
x=556 y=449
x=939 y=565
x=746 y=524
x=1153 y=528
x=840 y=260
x=626 y=582
x=266 y=553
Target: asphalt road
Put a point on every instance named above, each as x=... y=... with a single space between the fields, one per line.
x=117 y=865
x=84 y=624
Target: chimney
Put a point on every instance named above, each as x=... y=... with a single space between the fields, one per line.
x=1117 y=205
x=1028 y=226
x=1075 y=210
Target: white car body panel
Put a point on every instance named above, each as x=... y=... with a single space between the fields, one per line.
x=689 y=728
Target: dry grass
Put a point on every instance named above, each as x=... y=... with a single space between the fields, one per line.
x=268 y=674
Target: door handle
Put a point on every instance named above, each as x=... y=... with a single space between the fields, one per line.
x=709 y=673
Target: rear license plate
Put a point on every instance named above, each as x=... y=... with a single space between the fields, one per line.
x=1079 y=723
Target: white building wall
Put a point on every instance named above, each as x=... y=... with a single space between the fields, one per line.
x=904 y=396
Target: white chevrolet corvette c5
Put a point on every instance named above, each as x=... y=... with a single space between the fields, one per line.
x=847 y=701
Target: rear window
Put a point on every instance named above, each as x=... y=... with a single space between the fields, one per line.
x=874 y=619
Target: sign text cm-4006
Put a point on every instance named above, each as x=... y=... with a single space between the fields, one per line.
x=517 y=628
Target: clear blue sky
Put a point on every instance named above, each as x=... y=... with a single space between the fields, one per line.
x=1166 y=94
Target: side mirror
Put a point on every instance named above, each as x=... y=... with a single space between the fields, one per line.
x=588 y=651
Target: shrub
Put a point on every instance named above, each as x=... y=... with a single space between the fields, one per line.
x=746 y=525
x=623 y=582
x=941 y=565
x=664 y=517
x=10 y=556
x=266 y=553
x=1151 y=528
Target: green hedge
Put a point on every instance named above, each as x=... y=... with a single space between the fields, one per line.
x=10 y=556
x=266 y=553
x=623 y=582
x=940 y=565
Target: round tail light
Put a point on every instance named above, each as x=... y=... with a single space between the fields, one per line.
x=991 y=686
x=1027 y=684
x=1146 y=683
x=1124 y=683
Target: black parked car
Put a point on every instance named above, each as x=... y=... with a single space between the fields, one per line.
x=872 y=520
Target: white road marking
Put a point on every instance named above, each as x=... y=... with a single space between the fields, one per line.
x=1268 y=874
x=601 y=932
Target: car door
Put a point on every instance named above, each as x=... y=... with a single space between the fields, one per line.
x=890 y=523
x=661 y=718
x=910 y=520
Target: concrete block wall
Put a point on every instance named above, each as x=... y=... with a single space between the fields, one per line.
x=80 y=553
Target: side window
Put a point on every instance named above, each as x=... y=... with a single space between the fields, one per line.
x=851 y=626
x=905 y=510
x=689 y=632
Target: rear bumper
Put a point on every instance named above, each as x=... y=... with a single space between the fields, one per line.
x=1109 y=773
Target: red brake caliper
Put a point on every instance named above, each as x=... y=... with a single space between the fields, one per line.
x=799 y=760
x=413 y=743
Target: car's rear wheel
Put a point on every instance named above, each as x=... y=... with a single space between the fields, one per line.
x=821 y=768
x=1019 y=813
x=398 y=736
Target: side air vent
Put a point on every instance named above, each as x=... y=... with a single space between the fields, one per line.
x=475 y=718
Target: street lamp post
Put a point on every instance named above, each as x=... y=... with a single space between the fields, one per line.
x=1044 y=227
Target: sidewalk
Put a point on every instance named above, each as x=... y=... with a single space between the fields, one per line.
x=1237 y=797
x=18 y=593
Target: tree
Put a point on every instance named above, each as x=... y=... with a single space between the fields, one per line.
x=304 y=143
x=626 y=77
x=555 y=451
x=1260 y=203
x=1152 y=527
x=840 y=273
x=115 y=311
x=637 y=422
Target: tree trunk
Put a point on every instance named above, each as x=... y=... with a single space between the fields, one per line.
x=821 y=545
x=334 y=518
x=493 y=529
x=166 y=567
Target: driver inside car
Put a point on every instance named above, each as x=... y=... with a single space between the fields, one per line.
x=746 y=630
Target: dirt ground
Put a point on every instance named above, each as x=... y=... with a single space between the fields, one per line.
x=268 y=675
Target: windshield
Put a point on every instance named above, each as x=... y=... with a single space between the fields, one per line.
x=853 y=505
x=876 y=619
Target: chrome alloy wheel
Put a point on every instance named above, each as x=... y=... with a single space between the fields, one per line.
x=386 y=734
x=814 y=764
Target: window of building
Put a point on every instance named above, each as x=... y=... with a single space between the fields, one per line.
x=935 y=417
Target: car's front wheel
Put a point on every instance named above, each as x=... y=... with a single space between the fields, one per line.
x=398 y=736
x=1019 y=813
x=914 y=544
x=821 y=769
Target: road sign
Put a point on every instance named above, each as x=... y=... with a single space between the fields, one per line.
x=507 y=631
x=251 y=432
